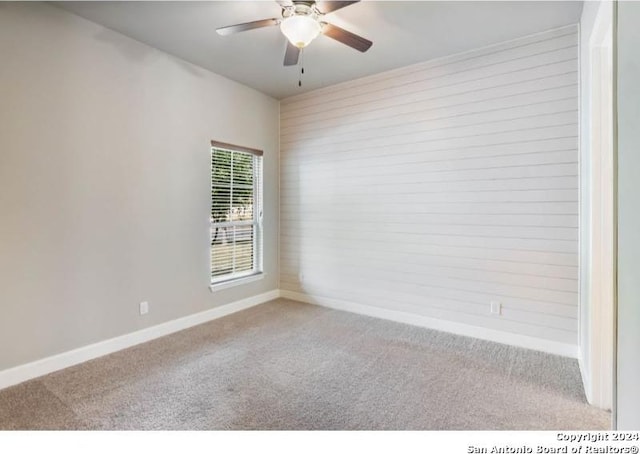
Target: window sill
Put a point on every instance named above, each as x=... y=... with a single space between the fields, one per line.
x=235 y=282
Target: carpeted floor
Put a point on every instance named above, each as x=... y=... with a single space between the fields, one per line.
x=287 y=365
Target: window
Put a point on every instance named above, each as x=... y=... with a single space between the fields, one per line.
x=236 y=212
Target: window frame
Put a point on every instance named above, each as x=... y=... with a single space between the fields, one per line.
x=256 y=272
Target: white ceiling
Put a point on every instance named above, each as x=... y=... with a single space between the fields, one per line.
x=403 y=32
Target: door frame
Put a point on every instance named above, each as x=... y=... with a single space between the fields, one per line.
x=600 y=346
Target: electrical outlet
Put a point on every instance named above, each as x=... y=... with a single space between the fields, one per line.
x=496 y=308
x=144 y=308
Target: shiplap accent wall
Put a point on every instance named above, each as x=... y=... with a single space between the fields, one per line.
x=437 y=188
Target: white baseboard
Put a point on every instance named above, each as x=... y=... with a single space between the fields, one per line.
x=586 y=382
x=19 y=374
x=517 y=340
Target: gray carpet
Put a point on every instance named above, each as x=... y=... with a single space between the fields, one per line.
x=287 y=365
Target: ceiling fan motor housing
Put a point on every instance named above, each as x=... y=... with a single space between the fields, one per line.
x=301 y=23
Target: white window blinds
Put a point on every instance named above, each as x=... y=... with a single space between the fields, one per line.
x=236 y=212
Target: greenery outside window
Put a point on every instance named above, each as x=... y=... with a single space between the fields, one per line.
x=236 y=212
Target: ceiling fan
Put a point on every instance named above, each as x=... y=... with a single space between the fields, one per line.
x=301 y=23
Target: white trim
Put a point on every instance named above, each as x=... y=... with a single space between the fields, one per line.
x=586 y=382
x=19 y=374
x=217 y=286
x=518 y=340
x=598 y=351
x=233 y=278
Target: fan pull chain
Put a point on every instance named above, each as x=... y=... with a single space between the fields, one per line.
x=301 y=61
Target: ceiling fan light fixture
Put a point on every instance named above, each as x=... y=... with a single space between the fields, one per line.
x=300 y=30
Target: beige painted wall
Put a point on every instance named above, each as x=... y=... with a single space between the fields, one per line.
x=104 y=182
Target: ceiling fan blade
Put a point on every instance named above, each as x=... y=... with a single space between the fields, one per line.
x=224 y=31
x=291 y=55
x=284 y=3
x=328 y=6
x=345 y=37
